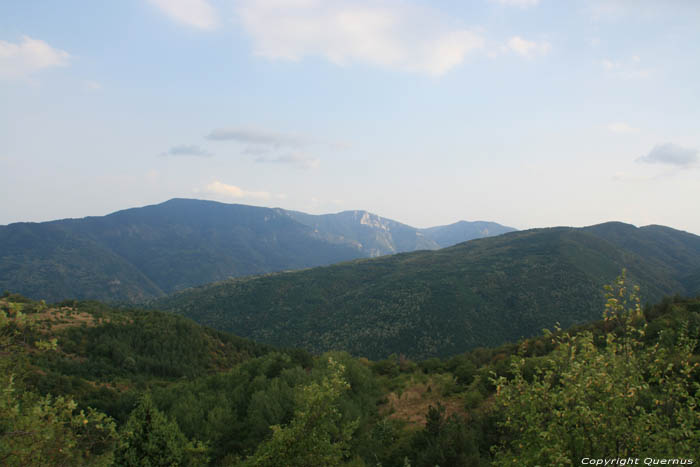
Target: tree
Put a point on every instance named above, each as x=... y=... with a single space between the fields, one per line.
x=315 y=436
x=444 y=441
x=609 y=398
x=36 y=430
x=150 y=439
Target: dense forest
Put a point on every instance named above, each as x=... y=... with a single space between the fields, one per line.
x=484 y=292
x=141 y=253
x=84 y=383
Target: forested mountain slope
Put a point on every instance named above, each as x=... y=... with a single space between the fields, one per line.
x=145 y=379
x=438 y=303
x=141 y=253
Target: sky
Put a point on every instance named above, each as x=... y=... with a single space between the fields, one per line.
x=530 y=113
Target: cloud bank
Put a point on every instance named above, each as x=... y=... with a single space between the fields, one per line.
x=672 y=154
x=28 y=57
x=270 y=147
x=391 y=33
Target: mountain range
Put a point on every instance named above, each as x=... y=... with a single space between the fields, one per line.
x=484 y=292
x=143 y=253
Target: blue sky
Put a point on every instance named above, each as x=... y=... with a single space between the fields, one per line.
x=529 y=113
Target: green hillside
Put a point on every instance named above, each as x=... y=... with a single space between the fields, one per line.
x=143 y=380
x=47 y=261
x=142 y=253
x=437 y=303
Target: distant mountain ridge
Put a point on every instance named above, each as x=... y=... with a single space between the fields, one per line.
x=484 y=292
x=452 y=234
x=142 y=253
x=369 y=233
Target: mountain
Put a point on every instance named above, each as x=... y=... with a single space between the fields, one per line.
x=142 y=253
x=448 y=235
x=371 y=234
x=435 y=303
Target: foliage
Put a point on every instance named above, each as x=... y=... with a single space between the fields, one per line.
x=599 y=398
x=36 y=430
x=138 y=342
x=234 y=411
x=445 y=441
x=50 y=431
x=143 y=253
x=150 y=439
x=315 y=436
x=103 y=351
x=220 y=398
x=440 y=303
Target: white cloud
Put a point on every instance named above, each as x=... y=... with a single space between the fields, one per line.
x=29 y=56
x=672 y=154
x=527 y=48
x=622 y=127
x=194 y=13
x=519 y=3
x=232 y=191
x=391 y=33
x=297 y=159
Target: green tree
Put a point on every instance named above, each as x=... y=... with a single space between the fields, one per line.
x=150 y=439
x=316 y=435
x=36 y=430
x=612 y=397
x=444 y=441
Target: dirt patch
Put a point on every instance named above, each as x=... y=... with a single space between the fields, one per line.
x=55 y=319
x=411 y=404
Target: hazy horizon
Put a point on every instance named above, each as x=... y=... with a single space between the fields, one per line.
x=529 y=113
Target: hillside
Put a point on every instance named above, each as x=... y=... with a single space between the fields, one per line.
x=142 y=253
x=436 y=303
x=231 y=398
x=109 y=345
